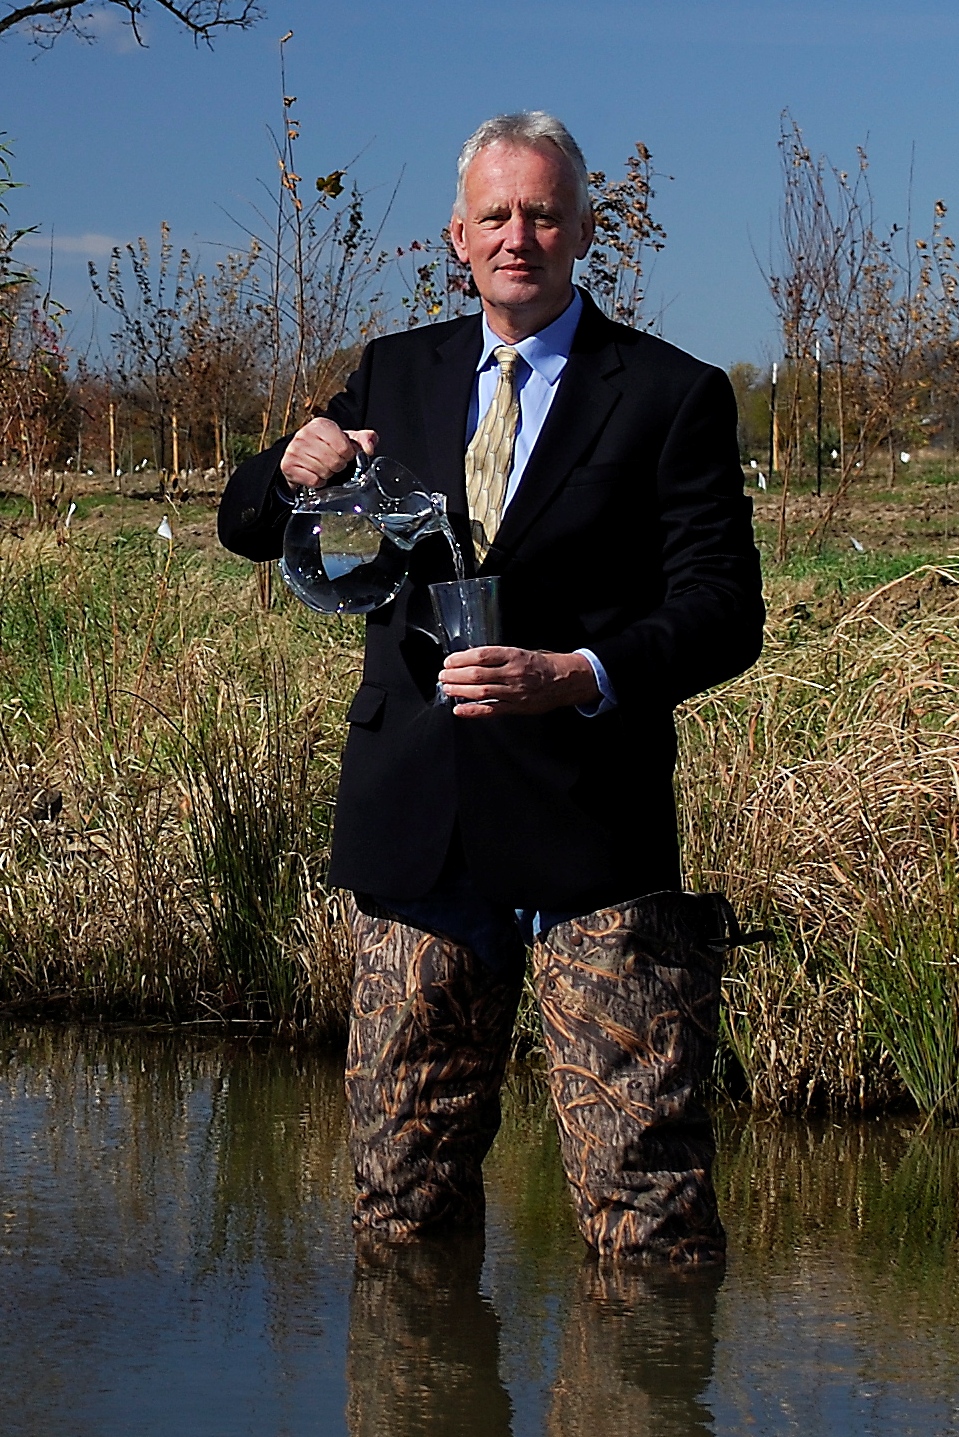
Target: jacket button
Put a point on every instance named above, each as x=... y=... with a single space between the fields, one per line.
x=247 y=516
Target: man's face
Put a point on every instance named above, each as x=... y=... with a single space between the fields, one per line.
x=521 y=231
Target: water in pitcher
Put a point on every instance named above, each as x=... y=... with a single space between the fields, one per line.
x=341 y=564
x=346 y=547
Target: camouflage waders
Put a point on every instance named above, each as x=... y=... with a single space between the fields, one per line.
x=430 y=1030
x=629 y=999
x=630 y=1004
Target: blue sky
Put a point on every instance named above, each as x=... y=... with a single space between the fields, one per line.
x=111 y=139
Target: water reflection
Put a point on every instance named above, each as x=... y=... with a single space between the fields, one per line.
x=176 y=1256
x=423 y=1351
x=637 y=1354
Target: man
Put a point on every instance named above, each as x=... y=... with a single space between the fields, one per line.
x=595 y=469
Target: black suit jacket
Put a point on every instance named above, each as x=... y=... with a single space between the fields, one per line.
x=629 y=534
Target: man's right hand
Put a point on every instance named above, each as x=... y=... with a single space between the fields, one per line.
x=321 y=449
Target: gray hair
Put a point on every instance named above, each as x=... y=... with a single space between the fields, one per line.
x=530 y=128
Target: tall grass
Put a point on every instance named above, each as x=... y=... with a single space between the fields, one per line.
x=191 y=738
x=196 y=743
x=822 y=792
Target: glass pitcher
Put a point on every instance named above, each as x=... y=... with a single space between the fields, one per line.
x=346 y=547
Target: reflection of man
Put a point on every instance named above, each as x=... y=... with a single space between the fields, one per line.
x=423 y=1353
x=595 y=469
x=636 y=1354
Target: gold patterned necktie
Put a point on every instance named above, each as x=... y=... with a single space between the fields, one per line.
x=489 y=457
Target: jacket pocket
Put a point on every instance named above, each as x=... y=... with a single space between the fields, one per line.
x=367 y=706
x=596 y=476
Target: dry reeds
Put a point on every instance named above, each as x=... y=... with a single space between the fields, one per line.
x=192 y=743
x=821 y=791
x=195 y=741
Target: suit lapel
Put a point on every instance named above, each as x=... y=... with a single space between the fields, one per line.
x=587 y=394
x=588 y=391
x=447 y=384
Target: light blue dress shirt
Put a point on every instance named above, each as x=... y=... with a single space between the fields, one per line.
x=544 y=358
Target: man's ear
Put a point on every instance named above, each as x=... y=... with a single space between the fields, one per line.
x=458 y=237
x=588 y=234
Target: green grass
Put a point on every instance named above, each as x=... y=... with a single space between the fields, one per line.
x=844 y=568
x=908 y=966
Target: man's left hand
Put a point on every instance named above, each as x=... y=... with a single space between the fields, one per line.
x=496 y=681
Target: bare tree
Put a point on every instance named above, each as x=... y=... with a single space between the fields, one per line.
x=944 y=338
x=35 y=397
x=870 y=302
x=149 y=343
x=248 y=352
x=323 y=279
x=97 y=433
x=47 y=20
x=34 y=394
x=626 y=234
x=221 y=368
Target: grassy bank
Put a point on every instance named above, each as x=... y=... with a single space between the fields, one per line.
x=194 y=740
x=194 y=743
x=821 y=791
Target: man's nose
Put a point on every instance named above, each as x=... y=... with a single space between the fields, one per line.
x=519 y=231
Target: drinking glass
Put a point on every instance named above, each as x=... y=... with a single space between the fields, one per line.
x=467 y=612
x=467 y=615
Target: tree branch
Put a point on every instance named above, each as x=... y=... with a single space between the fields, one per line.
x=200 y=17
x=26 y=14
x=218 y=13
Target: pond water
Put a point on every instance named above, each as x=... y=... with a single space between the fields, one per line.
x=176 y=1258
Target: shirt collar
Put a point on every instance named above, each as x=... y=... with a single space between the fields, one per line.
x=548 y=350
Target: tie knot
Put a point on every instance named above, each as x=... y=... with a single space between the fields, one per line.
x=507 y=358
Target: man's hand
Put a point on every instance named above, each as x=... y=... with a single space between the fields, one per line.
x=321 y=449
x=495 y=681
